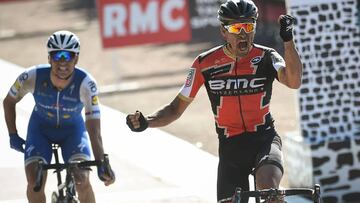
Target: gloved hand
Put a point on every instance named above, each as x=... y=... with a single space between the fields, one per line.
x=105 y=173
x=286 y=27
x=16 y=142
x=137 y=119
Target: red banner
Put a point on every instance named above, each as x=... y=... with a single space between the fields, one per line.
x=10 y=1
x=130 y=22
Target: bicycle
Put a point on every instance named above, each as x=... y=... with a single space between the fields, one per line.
x=266 y=195
x=66 y=192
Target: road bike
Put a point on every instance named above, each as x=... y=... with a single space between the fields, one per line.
x=277 y=195
x=66 y=192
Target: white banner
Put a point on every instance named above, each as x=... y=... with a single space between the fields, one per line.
x=327 y=36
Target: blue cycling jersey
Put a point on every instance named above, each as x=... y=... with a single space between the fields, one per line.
x=58 y=107
x=57 y=116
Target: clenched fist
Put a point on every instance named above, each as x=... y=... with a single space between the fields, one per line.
x=137 y=122
x=286 y=27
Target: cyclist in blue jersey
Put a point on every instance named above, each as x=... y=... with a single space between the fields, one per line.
x=60 y=90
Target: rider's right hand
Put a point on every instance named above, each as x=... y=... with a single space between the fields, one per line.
x=137 y=122
x=16 y=142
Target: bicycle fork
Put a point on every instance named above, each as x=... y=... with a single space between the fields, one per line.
x=58 y=172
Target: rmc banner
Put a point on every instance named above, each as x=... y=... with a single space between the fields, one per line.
x=135 y=22
x=327 y=36
x=130 y=22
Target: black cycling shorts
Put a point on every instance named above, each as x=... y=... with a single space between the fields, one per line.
x=241 y=155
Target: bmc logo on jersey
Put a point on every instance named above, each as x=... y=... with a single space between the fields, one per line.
x=237 y=86
x=241 y=83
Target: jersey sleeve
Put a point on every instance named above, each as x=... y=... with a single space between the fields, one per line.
x=89 y=97
x=23 y=84
x=193 y=82
x=277 y=60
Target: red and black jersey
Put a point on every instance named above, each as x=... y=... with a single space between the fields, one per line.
x=239 y=89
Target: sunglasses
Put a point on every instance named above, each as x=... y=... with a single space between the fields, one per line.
x=236 y=28
x=57 y=55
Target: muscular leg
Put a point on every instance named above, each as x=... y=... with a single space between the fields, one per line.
x=34 y=197
x=268 y=176
x=83 y=186
x=270 y=169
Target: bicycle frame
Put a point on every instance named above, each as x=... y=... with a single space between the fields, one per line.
x=66 y=191
x=274 y=194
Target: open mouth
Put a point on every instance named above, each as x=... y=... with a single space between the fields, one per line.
x=243 y=45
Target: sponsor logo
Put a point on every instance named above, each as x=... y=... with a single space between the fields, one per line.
x=66 y=116
x=50 y=115
x=17 y=85
x=276 y=58
x=95 y=100
x=256 y=60
x=219 y=70
x=70 y=109
x=190 y=77
x=129 y=22
x=43 y=94
x=23 y=77
x=92 y=86
x=30 y=149
x=72 y=88
x=236 y=86
x=55 y=107
x=82 y=145
x=69 y=99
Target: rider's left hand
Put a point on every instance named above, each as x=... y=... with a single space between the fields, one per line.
x=106 y=174
x=286 y=27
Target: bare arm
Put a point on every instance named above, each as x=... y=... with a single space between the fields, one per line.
x=9 y=104
x=94 y=130
x=291 y=75
x=168 y=113
x=160 y=118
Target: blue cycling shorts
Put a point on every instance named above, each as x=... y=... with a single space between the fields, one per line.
x=72 y=139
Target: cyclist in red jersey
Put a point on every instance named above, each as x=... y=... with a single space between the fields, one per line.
x=238 y=77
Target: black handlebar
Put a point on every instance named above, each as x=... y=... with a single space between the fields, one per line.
x=61 y=166
x=272 y=193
